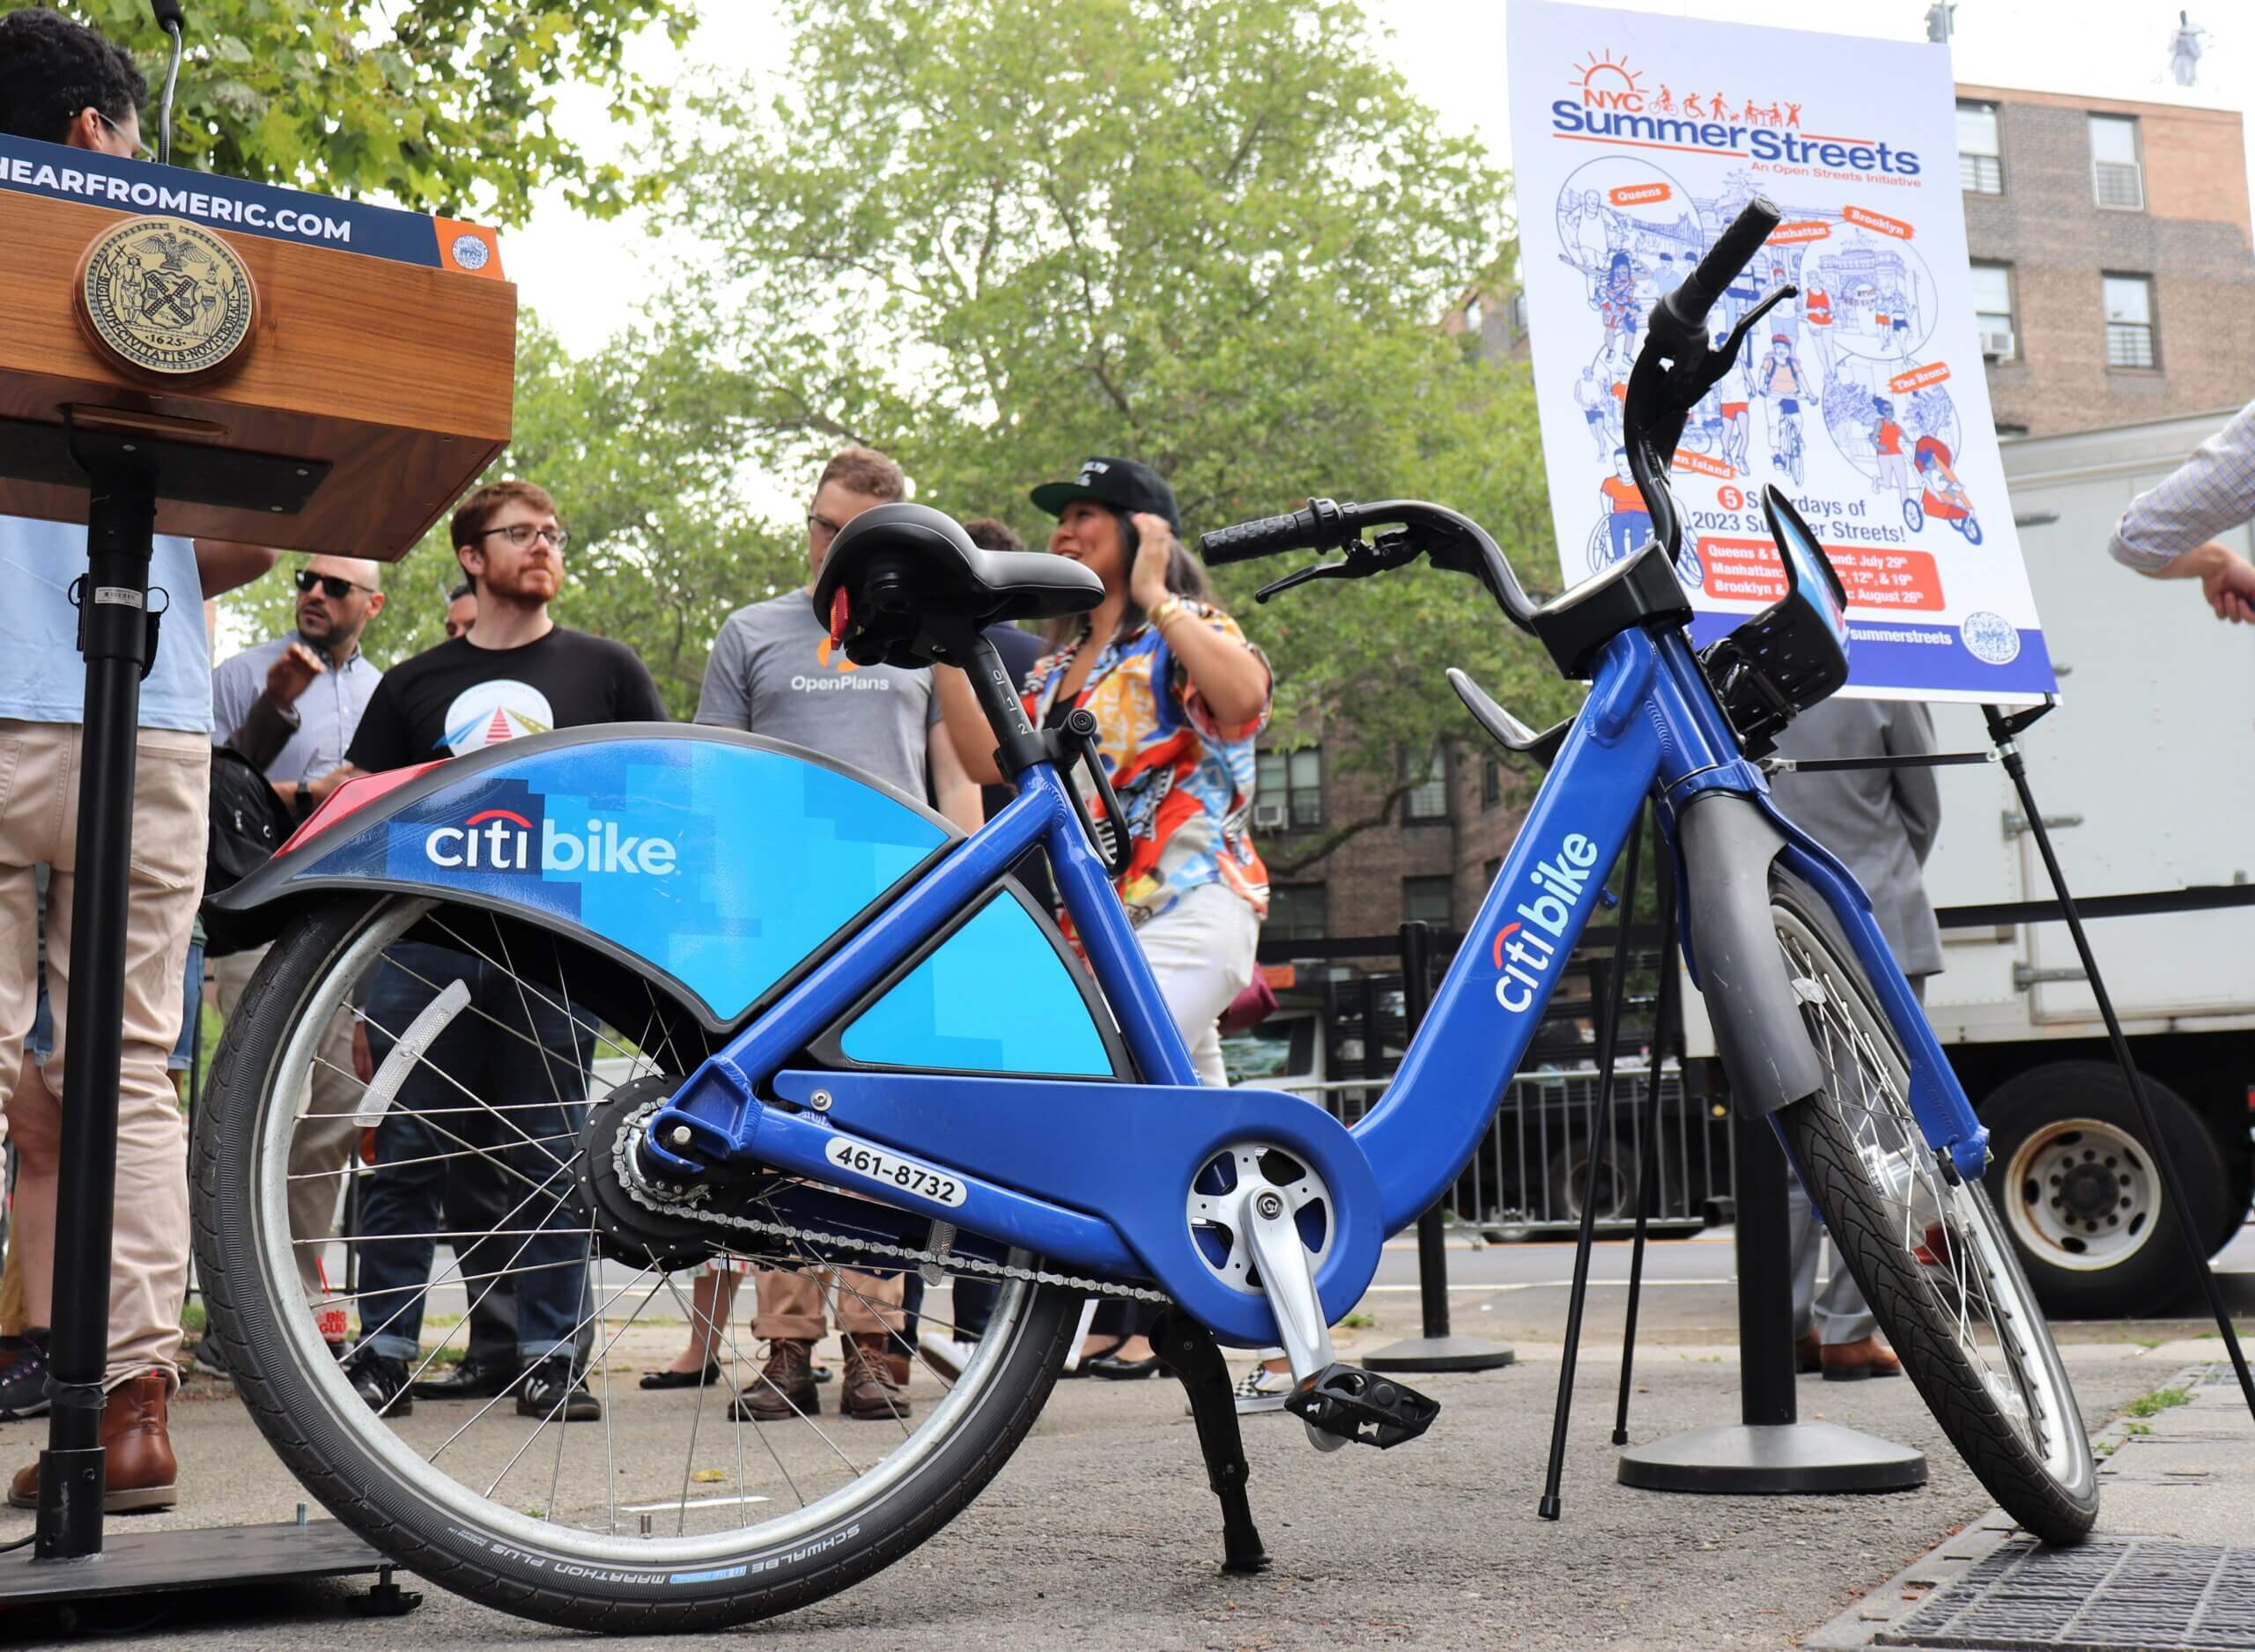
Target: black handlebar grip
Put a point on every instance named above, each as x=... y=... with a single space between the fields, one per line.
x=1264 y=538
x=1732 y=251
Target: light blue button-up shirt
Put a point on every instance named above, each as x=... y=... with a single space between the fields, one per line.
x=42 y=675
x=329 y=711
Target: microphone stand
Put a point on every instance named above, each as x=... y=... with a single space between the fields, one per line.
x=168 y=18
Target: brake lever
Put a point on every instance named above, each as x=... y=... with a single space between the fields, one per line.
x=1389 y=551
x=1718 y=361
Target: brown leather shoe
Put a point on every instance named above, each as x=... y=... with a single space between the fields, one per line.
x=784 y=1388
x=1854 y=1361
x=865 y=1389
x=139 y=1473
x=1809 y=1360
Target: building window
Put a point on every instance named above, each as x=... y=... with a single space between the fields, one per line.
x=1980 y=163
x=1491 y=783
x=1427 y=798
x=1297 y=911
x=1288 y=789
x=1992 y=312
x=2129 y=322
x=1429 y=899
x=2115 y=174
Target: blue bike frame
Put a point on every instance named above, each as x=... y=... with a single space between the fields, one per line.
x=1093 y=1174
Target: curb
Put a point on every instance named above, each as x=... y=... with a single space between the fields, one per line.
x=1884 y=1609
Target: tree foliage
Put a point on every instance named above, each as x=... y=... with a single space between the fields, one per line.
x=633 y=442
x=993 y=237
x=444 y=106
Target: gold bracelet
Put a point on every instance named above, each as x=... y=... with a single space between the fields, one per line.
x=1167 y=610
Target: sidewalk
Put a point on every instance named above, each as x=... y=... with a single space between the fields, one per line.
x=2172 y=1565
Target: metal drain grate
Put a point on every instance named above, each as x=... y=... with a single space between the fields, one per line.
x=2110 y=1595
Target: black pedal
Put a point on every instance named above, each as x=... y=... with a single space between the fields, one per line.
x=1363 y=1406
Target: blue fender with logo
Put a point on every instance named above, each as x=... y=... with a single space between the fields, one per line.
x=719 y=865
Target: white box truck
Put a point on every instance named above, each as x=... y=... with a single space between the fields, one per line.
x=2144 y=776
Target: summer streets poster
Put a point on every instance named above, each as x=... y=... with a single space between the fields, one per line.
x=1636 y=138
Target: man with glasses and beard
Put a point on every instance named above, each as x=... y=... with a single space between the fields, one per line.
x=484 y=1084
x=292 y=706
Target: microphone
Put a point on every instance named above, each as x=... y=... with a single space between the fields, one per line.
x=171 y=19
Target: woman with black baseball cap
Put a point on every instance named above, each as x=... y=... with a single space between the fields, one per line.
x=1180 y=697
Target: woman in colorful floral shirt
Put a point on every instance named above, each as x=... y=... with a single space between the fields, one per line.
x=1179 y=696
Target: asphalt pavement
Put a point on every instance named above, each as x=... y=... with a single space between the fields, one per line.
x=1101 y=1532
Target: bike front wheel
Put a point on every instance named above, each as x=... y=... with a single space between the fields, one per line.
x=1927 y=1245
x=669 y=1510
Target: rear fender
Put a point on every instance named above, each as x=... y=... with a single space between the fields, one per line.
x=718 y=864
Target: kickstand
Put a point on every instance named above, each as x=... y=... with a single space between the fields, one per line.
x=1189 y=1351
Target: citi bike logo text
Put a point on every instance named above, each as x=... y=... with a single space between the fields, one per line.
x=502 y=840
x=1525 y=948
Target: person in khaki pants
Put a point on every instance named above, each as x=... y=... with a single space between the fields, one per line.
x=63 y=84
x=292 y=706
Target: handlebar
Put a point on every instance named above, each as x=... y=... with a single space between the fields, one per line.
x=1322 y=526
x=1684 y=310
x=1450 y=539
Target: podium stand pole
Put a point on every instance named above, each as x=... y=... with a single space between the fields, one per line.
x=1438 y=1349
x=113 y=636
x=1769 y=1450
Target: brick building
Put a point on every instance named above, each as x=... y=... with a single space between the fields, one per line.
x=2111 y=257
x=1434 y=858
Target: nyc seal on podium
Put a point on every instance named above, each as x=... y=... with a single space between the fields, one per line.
x=165 y=298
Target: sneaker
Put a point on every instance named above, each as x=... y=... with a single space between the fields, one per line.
x=867 y=1390
x=381 y=1383
x=784 y=1388
x=23 y=1376
x=949 y=1356
x=1260 y=1390
x=555 y=1391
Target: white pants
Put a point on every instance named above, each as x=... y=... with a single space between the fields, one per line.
x=1201 y=948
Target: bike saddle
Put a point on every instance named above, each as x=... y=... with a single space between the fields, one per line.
x=897 y=574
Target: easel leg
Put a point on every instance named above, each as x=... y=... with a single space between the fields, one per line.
x=1601 y=1140
x=2004 y=730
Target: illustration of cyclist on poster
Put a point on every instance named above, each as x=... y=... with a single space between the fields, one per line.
x=1635 y=138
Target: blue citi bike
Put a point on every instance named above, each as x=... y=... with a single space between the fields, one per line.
x=779 y=1017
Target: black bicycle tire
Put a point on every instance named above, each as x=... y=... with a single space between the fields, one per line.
x=2000 y=1459
x=362 y=1492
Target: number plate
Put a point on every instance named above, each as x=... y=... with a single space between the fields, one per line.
x=874 y=1164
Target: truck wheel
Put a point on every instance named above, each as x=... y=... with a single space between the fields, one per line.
x=2081 y=1196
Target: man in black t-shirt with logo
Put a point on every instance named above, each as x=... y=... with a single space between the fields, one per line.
x=487 y=1078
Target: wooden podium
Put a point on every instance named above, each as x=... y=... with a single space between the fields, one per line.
x=194 y=355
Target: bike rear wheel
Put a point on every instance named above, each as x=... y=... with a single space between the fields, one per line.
x=666 y=1513
x=1927 y=1246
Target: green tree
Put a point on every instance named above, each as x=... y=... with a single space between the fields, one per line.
x=443 y=105
x=634 y=441
x=993 y=237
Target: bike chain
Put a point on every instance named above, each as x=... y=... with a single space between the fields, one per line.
x=620 y=1155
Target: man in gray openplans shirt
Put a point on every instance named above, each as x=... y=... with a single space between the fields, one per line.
x=774 y=672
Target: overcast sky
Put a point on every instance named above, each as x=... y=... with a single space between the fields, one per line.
x=584 y=277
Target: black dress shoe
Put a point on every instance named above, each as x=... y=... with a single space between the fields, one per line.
x=472 y=1379
x=1118 y=1370
x=705 y=1378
